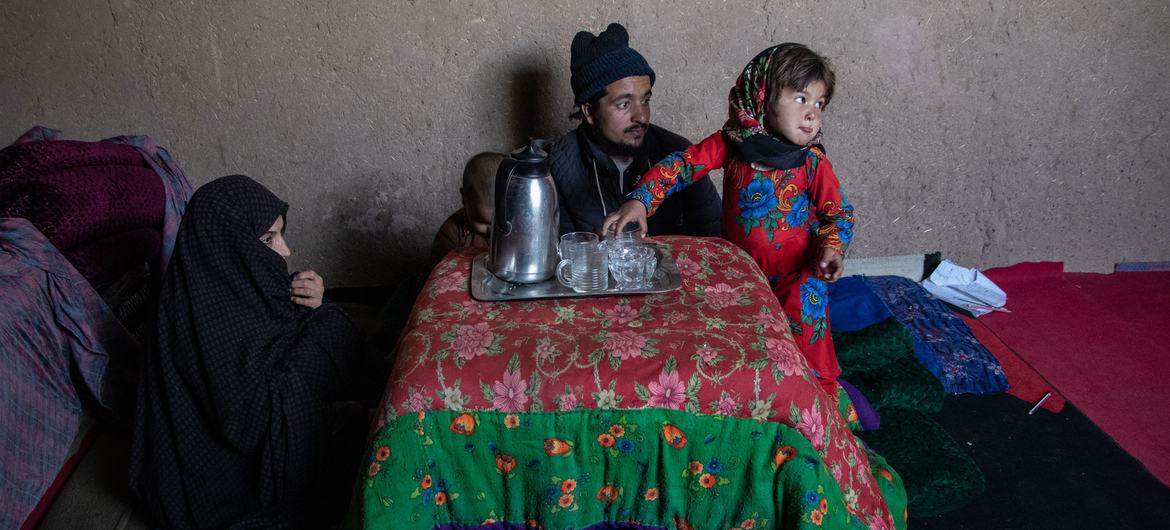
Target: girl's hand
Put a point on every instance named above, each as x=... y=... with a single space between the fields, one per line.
x=308 y=289
x=630 y=212
x=830 y=266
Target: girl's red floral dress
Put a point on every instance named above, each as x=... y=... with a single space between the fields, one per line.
x=782 y=218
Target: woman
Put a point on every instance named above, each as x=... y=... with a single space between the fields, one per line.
x=240 y=422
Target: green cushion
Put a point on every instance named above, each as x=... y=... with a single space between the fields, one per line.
x=871 y=348
x=938 y=474
x=880 y=362
x=904 y=384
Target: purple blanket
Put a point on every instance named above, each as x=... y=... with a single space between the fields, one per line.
x=97 y=202
x=53 y=322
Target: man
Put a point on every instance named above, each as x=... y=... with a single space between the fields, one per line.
x=595 y=165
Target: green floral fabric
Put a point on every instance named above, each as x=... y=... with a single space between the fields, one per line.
x=715 y=359
x=649 y=467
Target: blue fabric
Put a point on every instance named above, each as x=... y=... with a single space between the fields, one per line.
x=854 y=305
x=942 y=342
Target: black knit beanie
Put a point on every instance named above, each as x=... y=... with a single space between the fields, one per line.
x=597 y=61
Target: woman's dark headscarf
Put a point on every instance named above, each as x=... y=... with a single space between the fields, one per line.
x=235 y=405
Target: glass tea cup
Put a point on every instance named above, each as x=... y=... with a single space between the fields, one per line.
x=587 y=262
x=632 y=264
x=631 y=233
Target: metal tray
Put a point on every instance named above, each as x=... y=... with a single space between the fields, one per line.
x=487 y=287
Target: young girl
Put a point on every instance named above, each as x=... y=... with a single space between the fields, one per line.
x=782 y=202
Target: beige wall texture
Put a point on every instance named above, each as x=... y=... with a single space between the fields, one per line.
x=994 y=131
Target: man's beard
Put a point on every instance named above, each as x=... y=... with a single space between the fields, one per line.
x=612 y=148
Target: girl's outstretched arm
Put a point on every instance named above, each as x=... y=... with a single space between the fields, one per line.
x=677 y=171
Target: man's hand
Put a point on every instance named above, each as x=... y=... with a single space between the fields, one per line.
x=308 y=289
x=630 y=212
x=830 y=266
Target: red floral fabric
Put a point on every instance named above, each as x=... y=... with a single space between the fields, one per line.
x=782 y=218
x=719 y=345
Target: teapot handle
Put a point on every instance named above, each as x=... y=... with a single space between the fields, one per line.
x=501 y=213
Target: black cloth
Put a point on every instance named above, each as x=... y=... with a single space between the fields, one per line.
x=771 y=151
x=1073 y=473
x=588 y=186
x=240 y=409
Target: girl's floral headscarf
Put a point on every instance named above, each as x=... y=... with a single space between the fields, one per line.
x=748 y=101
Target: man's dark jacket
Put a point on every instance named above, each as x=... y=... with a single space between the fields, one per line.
x=586 y=179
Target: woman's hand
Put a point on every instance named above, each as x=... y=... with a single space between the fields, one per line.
x=308 y=289
x=630 y=212
x=830 y=266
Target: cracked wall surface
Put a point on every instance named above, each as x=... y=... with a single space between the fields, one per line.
x=995 y=132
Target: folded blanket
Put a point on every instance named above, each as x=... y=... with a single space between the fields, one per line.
x=49 y=154
x=102 y=208
x=95 y=201
x=76 y=205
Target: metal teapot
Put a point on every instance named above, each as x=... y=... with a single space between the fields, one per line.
x=526 y=221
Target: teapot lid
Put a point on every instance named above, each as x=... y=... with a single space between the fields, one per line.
x=535 y=151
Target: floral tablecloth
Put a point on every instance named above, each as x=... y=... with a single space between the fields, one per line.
x=715 y=356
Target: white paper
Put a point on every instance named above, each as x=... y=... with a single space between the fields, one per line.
x=966 y=288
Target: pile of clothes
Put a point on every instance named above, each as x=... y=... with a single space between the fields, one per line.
x=905 y=350
x=76 y=220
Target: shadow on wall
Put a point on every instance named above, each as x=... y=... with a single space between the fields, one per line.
x=531 y=110
x=382 y=233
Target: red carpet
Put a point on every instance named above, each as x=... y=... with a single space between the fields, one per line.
x=1103 y=340
x=1026 y=383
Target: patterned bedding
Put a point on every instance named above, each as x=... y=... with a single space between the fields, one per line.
x=689 y=409
x=942 y=342
x=57 y=338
